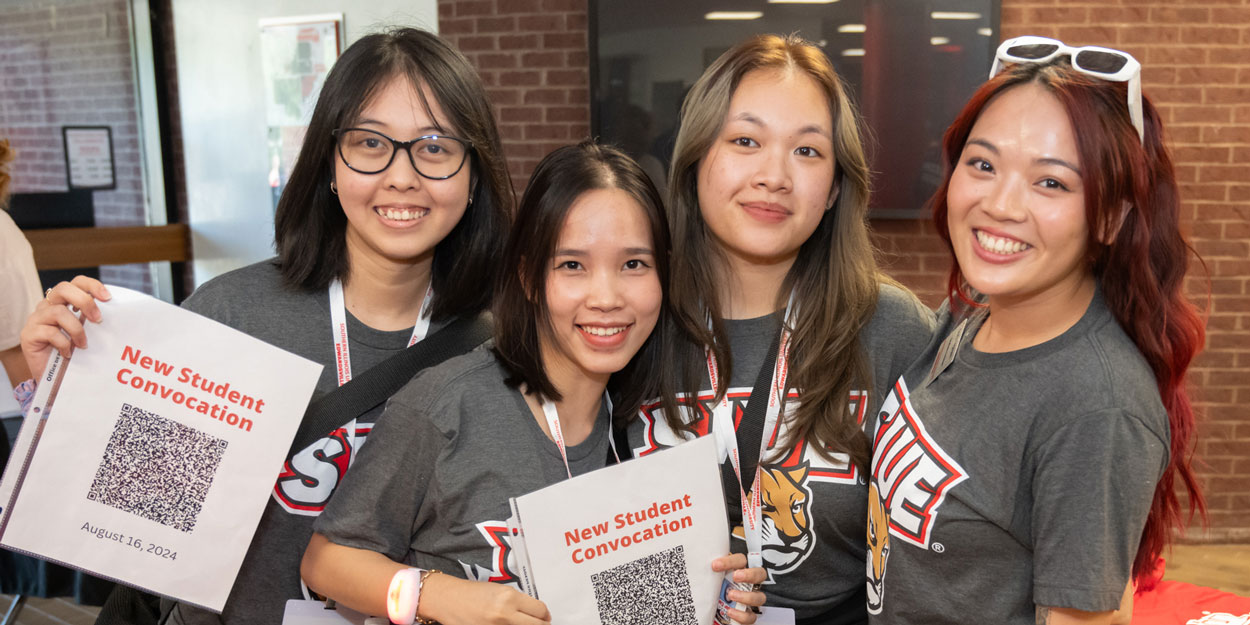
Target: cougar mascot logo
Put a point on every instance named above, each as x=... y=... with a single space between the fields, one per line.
x=878 y=548
x=785 y=501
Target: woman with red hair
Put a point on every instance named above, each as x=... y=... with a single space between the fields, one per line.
x=1025 y=467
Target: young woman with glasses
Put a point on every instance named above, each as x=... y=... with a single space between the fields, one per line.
x=1027 y=465
x=387 y=231
x=584 y=301
x=795 y=336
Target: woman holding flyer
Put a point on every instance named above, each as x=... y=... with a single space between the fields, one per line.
x=582 y=304
x=395 y=209
x=1051 y=405
x=797 y=335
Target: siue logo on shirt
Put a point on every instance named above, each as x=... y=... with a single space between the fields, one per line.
x=786 y=492
x=502 y=559
x=911 y=476
x=309 y=477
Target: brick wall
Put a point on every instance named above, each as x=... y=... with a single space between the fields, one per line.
x=532 y=55
x=1196 y=68
x=67 y=62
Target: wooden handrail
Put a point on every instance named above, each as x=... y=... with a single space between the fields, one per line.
x=73 y=248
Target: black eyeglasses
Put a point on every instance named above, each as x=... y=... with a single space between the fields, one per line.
x=437 y=157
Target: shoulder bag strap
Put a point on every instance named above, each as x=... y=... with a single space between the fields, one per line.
x=375 y=386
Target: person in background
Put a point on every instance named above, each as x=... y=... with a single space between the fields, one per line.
x=794 y=335
x=386 y=232
x=19 y=282
x=1028 y=464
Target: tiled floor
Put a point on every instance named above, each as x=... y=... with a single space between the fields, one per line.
x=1226 y=567
x=51 y=612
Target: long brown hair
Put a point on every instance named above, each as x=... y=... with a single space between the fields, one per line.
x=1141 y=270
x=6 y=155
x=834 y=277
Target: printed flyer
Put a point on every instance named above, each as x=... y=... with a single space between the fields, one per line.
x=629 y=543
x=148 y=457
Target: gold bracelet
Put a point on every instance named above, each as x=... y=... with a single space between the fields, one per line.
x=424 y=621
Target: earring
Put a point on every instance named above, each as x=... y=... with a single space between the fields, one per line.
x=470 y=201
x=333 y=189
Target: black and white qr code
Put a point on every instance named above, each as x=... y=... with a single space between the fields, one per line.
x=156 y=468
x=654 y=589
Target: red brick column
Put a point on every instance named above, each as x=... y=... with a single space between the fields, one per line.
x=532 y=56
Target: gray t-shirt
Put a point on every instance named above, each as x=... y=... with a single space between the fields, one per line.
x=254 y=300
x=813 y=508
x=431 y=489
x=1013 y=479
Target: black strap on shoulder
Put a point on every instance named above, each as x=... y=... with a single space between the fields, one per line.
x=368 y=390
x=620 y=436
x=750 y=433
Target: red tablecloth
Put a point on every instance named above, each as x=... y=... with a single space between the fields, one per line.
x=1177 y=603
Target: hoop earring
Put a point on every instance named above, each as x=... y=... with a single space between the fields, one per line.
x=333 y=189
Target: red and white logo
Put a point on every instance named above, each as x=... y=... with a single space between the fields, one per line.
x=503 y=567
x=309 y=477
x=658 y=435
x=786 y=486
x=911 y=476
x=911 y=472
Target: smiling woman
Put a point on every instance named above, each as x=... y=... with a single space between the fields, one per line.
x=1025 y=469
x=791 y=337
x=1016 y=213
x=372 y=256
x=581 y=309
x=396 y=212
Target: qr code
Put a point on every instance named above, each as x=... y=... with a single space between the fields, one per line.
x=156 y=468
x=654 y=589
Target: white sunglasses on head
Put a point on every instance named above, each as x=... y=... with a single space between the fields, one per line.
x=1104 y=63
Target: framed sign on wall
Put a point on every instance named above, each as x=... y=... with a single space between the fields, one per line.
x=296 y=55
x=89 y=157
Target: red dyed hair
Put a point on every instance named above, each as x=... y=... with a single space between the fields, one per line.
x=1141 y=271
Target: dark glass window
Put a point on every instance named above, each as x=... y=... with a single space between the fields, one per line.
x=910 y=65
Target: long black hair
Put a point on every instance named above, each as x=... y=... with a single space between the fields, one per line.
x=521 y=313
x=309 y=225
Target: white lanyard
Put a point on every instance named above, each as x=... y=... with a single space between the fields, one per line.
x=723 y=425
x=338 y=321
x=553 y=424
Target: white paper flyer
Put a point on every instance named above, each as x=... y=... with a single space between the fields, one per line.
x=151 y=460
x=630 y=543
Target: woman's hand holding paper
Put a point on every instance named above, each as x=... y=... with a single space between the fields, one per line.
x=54 y=325
x=737 y=562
